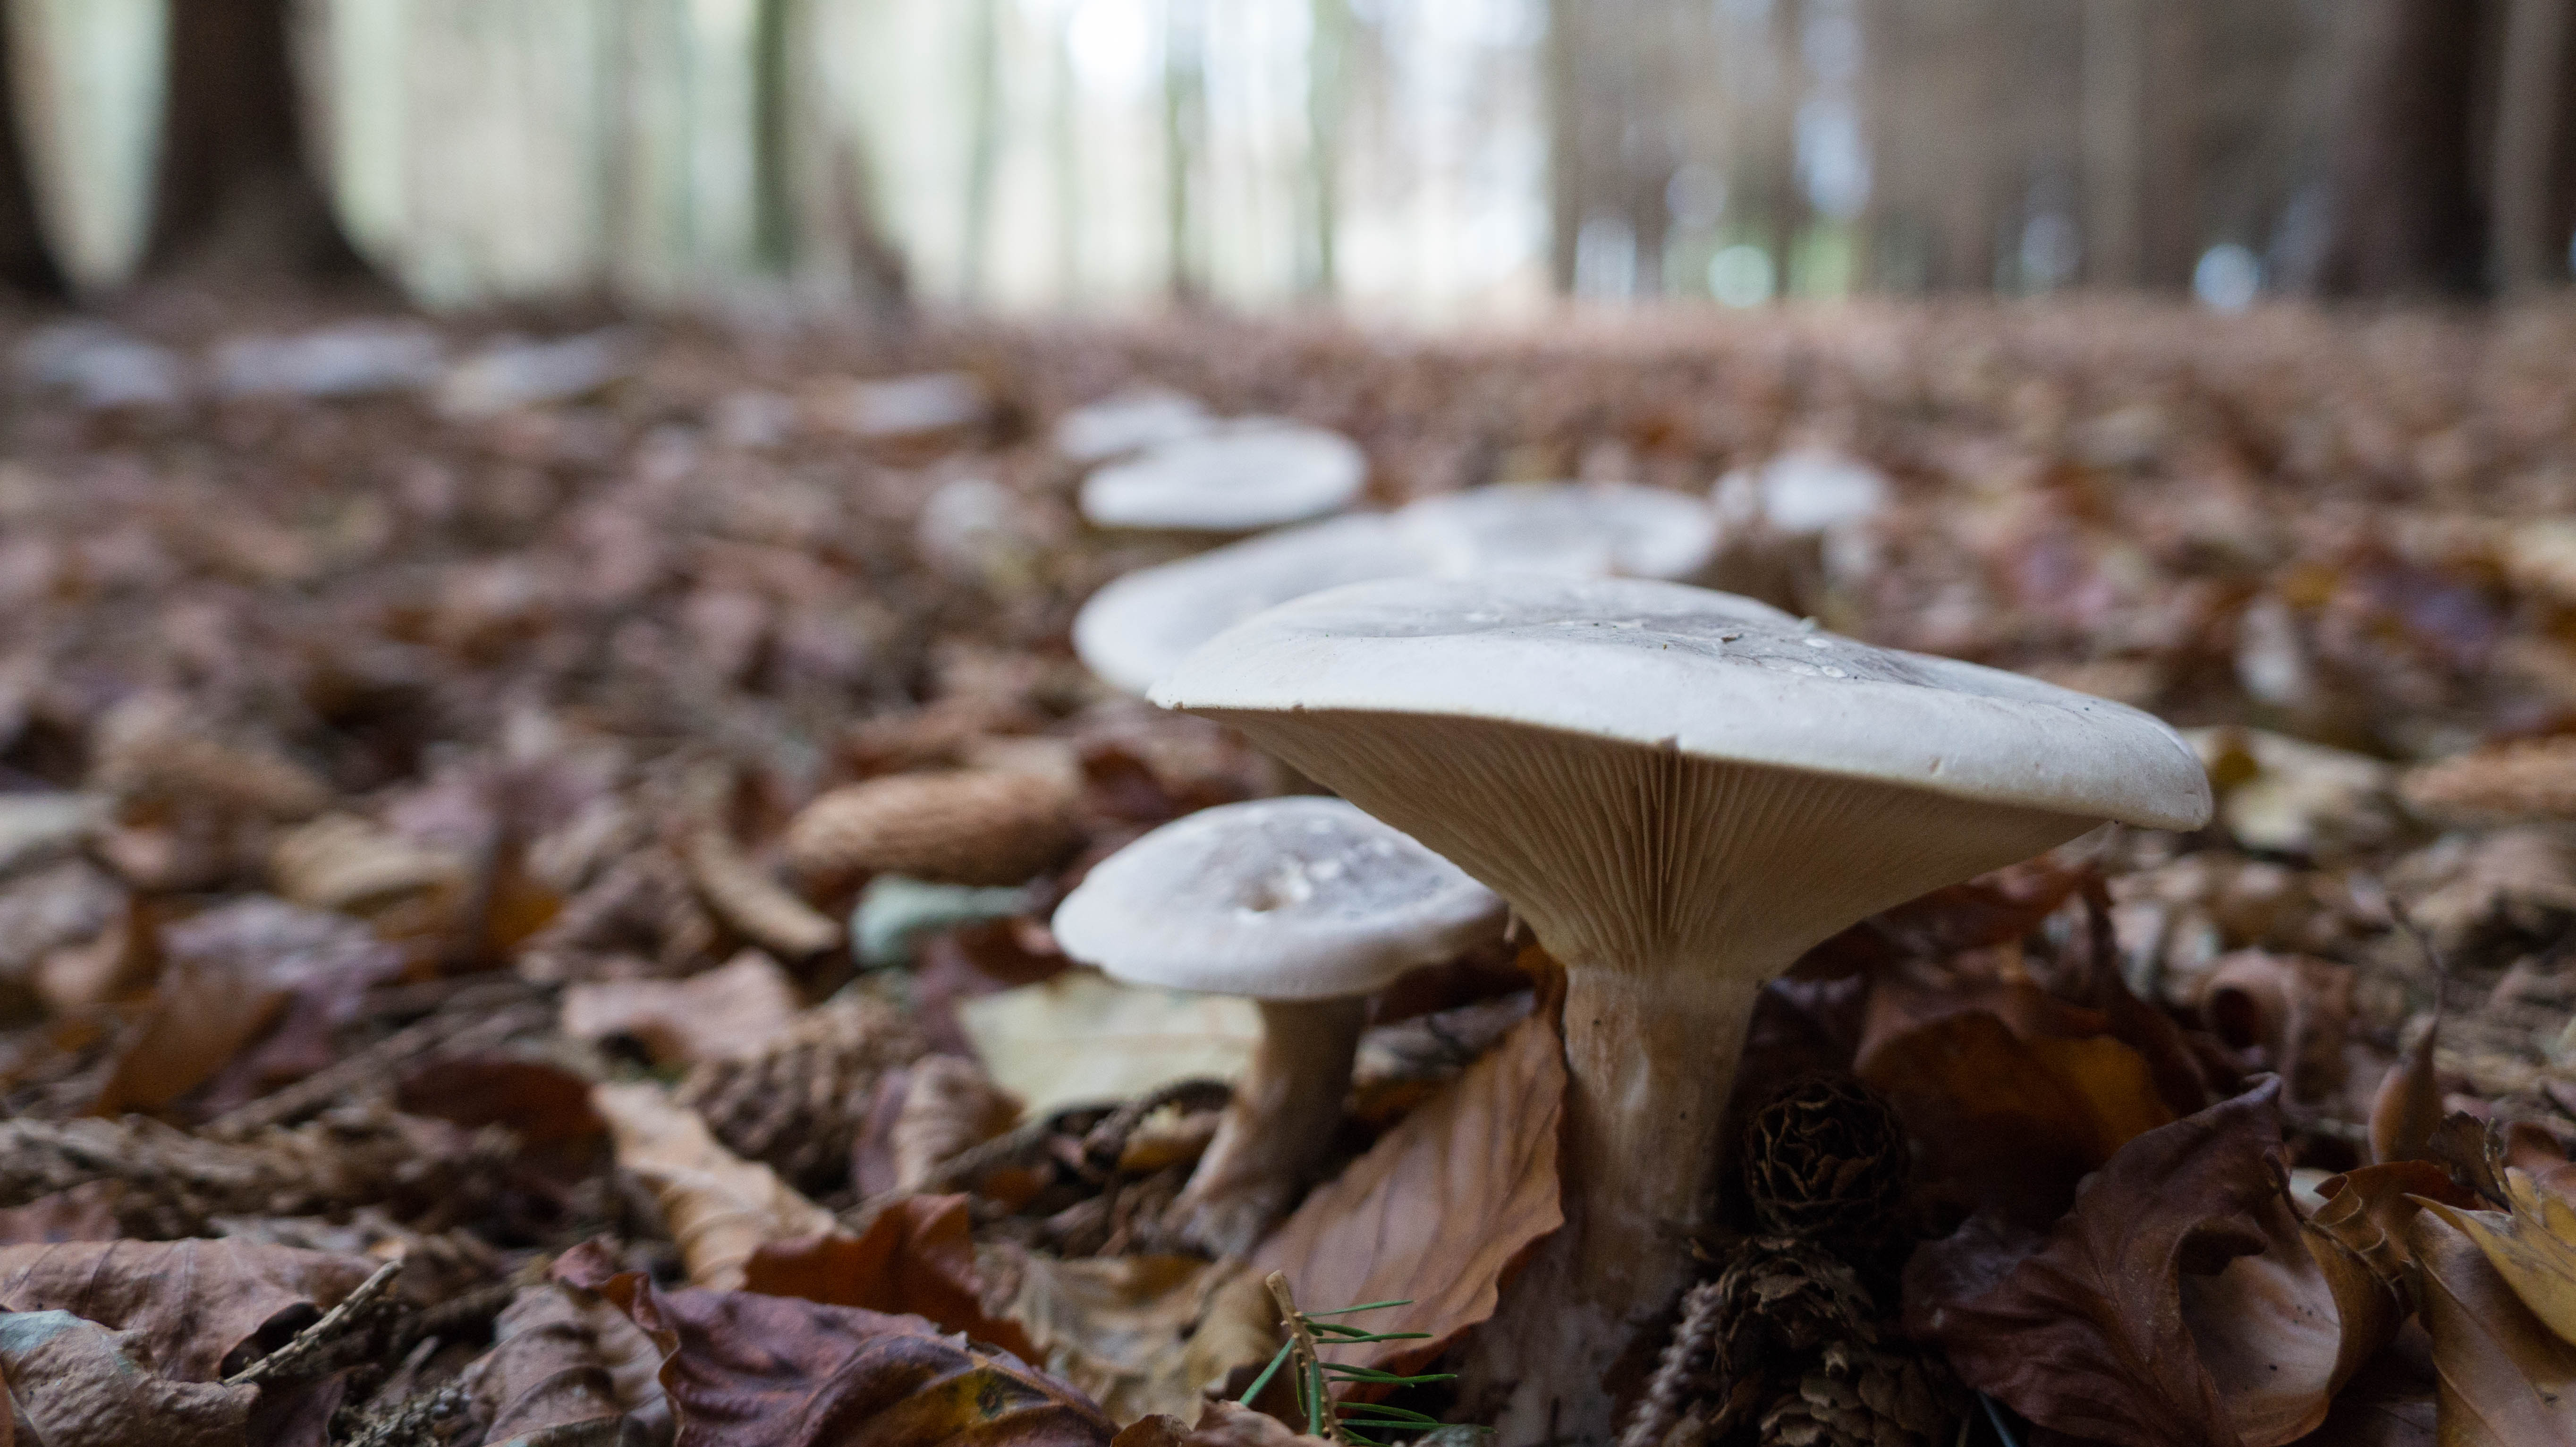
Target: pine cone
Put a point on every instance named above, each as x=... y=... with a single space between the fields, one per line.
x=797 y=1105
x=1860 y=1396
x=1825 y=1160
x=968 y=827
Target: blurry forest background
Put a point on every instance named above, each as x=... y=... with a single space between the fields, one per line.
x=1418 y=159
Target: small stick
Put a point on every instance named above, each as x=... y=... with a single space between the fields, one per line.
x=1307 y=1361
x=321 y=1336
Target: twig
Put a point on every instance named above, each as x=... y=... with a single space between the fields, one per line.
x=1306 y=1361
x=291 y=1361
x=449 y=1029
x=1104 y=1142
x=1314 y=1377
x=415 y=1421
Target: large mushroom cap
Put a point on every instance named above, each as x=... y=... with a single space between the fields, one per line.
x=1251 y=473
x=1578 y=529
x=1139 y=627
x=1276 y=899
x=1704 y=674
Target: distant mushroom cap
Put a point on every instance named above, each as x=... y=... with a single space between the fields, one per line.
x=1249 y=473
x=1704 y=674
x=1807 y=490
x=1139 y=627
x=1146 y=417
x=1581 y=529
x=1277 y=899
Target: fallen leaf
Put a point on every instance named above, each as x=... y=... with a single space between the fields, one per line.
x=917 y=1257
x=746 y=1370
x=2011 y=1121
x=723 y=1013
x=1119 y=1327
x=1223 y=1424
x=1082 y=1038
x=2293 y=1008
x=2408 y=1108
x=2522 y=779
x=721 y=1208
x=2504 y=1379
x=191 y=1306
x=229 y=976
x=2531 y=1244
x=949 y=1105
x=2182 y=1301
x=543 y=1105
x=740 y=894
x=75 y=1383
x=2370 y=1210
x=345 y=863
x=562 y=1360
x=1441 y=1209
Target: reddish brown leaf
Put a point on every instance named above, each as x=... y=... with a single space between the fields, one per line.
x=2370 y=1210
x=562 y=1357
x=726 y=1012
x=1441 y=1209
x=543 y=1105
x=2180 y=1303
x=2408 y=1108
x=916 y=1257
x=192 y=1305
x=1223 y=1424
x=746 y=1370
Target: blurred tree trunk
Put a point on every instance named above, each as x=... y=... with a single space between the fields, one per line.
x=2115 y=141
x=2406 y=213
x=2530 y=243
x=1565 y=179
x=2170 y=220
x=24 y=262
x=234 y=193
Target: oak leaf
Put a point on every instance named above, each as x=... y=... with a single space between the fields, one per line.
x=1442 y=1209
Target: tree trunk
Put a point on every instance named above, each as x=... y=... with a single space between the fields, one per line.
x=1565 y=178
x=2170 y=220
x=2529 y=246
x=2406 y=218
x=24 y=263
x=2115 y=141
x=234 y=193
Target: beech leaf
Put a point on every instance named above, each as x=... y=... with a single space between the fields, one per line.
x=916 y=1257
x=2532 y=1246
x=746 y=1370
x=1123 y=1328
x=722 y=1013
x=190 y=1305
x=566 y=1366
x=2181 y=1302
x=2503 y=1379
x=722 y=1208
x=78 y=1384
x=1441 y=1209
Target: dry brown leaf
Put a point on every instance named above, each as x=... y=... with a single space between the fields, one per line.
x=974 y=827
x=949 y=1105
x=2182 y=1301
x=2369 y=1211
x=721 y=1208
x=563 y=1358
x=2531 y=1244
x=1082 y=1038
x=741 y=895
x=2012 y=1121
x=2293 y=1008
x=191 y=1305
x=1119 y=1327
x=2408 y=1108
x=74 y=1383
x=147 y=751
x=917 y=1257
x=2523 y=779
x=746 y=1370
x=352 y=865
x=723 y=1013
x=1441 y=1209
x=2504 y=1379
x=1223 y=1424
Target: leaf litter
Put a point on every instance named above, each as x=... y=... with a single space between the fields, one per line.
x=450 y=837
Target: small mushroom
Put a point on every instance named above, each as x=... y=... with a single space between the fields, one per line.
x=1135 y=629
x=1680 y=791
x=1306 y=906
x=1252 y=472
x=1145 y=417
x=1591 y=530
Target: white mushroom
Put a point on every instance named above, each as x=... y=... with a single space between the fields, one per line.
x=1586 y=530
x=1681 y=791
x=1134 y=630
x=1305 y=905
x=1252 y=472
x=1798 y=524
x=1147 y=417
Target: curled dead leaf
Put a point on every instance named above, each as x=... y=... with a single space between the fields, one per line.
x=761 y=909
x=2293 y=1008
x=972 y=827
x=949 y=1105
x=74 y=1383
x=1123 y=1328
x=565 y=1367
x=721 y=1208
x=196 y=1310
x=2531 y=1244
x=2182 y=1301
x=2369 y=1211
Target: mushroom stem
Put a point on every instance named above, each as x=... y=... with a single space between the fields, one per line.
x=1278 y=1128
x=1649 y=1069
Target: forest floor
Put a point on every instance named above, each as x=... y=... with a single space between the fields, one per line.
x=398 y=746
